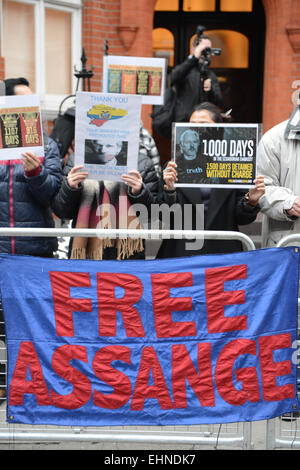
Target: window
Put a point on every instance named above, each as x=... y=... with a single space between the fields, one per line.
x=167 y=5
x=41 y=40
x=235 y=49
x=19 y=55
x=199 y=5
x=58 y=66
x=205 y=5
x=163 y=45
x=236 y=5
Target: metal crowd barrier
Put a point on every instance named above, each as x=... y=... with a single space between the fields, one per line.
x=151 y=234
x=233 y=435
x=284 y=431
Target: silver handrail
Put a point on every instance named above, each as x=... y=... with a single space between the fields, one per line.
x=288 y=239
x=152 y=234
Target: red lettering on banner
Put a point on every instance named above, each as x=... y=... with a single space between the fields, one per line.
x=64 y=305
x=247 y=375
x=111 y=388
x=82 y=389
x=183 y=369
x=270 y=369
x=28 y=360
x=163 y=305
x=109 y=304
x=117 y=380
x=217 y=298
x=150 y=366
x=235 y=385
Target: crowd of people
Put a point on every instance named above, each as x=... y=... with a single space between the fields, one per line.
x=32 y=191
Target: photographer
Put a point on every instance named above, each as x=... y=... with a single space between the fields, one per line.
x=193 y=81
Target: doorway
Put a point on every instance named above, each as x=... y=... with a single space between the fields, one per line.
x=235 y=26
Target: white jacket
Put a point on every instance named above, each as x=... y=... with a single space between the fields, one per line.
x=278 y=160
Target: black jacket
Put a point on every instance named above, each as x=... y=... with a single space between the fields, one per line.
x=25 y=203
x=188 y=81
x=227 y=210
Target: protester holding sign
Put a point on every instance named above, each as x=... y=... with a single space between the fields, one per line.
x=224 y=209
x=103 y=194
x=27 y=186
x=106 y=204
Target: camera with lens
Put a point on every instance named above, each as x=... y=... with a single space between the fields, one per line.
x=211 y=51
x=208 y=51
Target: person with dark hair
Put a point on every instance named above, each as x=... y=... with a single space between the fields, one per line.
x=17 y=86
x=27 y=186
x=224 y=209
x=195 y=82
x=207 y=113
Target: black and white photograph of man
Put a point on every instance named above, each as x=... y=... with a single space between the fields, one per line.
x=187 y=156
x=105 y=152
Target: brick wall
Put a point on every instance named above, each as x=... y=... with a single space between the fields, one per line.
x=127 y=25
x=282 y=62
x=293 y=30
x=100 y=22
x=2 y=74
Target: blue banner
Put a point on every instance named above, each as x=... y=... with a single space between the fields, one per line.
x=204 y=339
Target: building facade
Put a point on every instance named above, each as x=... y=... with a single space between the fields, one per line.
x=259 y=68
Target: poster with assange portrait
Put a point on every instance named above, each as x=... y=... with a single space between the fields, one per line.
x=107 y=130
x=215 y=155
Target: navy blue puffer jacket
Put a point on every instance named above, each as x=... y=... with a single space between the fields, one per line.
x=25 y=202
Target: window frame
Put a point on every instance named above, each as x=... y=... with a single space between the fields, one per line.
x=216 y=10
x=50 y=102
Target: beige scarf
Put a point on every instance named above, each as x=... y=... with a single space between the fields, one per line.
x=105 y=205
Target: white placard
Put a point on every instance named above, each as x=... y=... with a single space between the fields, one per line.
x=107 y=128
